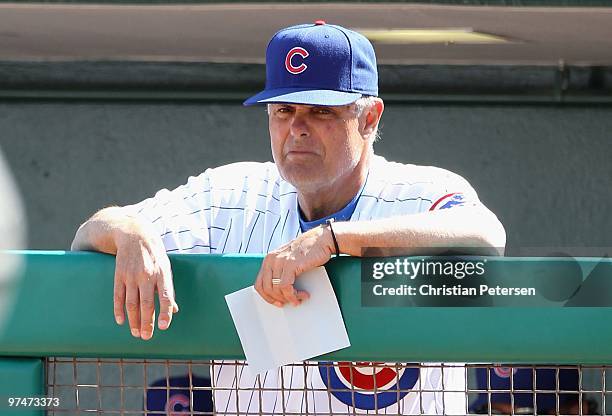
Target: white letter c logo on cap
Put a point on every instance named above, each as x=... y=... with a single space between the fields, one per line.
x=296 y=69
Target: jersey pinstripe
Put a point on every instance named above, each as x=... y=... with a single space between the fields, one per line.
x=247 y=207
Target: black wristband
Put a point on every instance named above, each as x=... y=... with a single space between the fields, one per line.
x=329 y=223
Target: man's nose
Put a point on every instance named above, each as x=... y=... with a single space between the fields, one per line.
x=299 y=126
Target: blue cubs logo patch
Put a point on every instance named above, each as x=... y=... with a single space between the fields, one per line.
x=453 y=201
x=449 y=201
x=368 y=385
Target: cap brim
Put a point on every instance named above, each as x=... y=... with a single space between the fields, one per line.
x=308 y=97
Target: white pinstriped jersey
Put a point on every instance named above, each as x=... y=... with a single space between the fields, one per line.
x=247 y=207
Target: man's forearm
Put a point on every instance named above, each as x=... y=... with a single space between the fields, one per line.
x=424 y=233
x=104 y=229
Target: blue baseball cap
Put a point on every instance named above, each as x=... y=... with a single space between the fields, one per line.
x=522 y=378
x=318 y=64
x=161 y=401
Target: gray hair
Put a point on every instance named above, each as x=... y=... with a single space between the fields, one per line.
x=363 y=103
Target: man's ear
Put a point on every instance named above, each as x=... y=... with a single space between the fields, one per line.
x=372 y=117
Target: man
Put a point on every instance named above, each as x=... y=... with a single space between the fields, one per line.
x=323 y=109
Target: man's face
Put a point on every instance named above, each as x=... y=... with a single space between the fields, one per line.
x=313 y=146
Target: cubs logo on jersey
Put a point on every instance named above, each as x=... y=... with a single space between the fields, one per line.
x=449 y=201
x=368 y=385
x=289 y=60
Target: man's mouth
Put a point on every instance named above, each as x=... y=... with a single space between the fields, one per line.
x=301 y=153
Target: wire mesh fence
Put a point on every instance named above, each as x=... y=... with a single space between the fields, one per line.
x=174 y=387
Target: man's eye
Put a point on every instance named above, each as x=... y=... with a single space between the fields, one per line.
x=322 y=110
x=283 y=110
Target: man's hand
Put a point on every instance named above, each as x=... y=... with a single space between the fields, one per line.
x=142 y=268
x=280 y=267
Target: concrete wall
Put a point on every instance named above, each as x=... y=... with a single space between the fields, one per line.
x=544 y=169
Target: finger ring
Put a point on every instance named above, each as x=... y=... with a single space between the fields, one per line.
x=276 y=281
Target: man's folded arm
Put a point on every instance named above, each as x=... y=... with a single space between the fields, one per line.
x=474 y=229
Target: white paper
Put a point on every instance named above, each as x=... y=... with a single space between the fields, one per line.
x=272 y=337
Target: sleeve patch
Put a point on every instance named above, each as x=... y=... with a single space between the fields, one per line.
x=449 y=201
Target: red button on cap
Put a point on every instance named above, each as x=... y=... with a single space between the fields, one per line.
x=319 y=22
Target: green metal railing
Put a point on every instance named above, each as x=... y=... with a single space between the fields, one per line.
x=64 y=307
